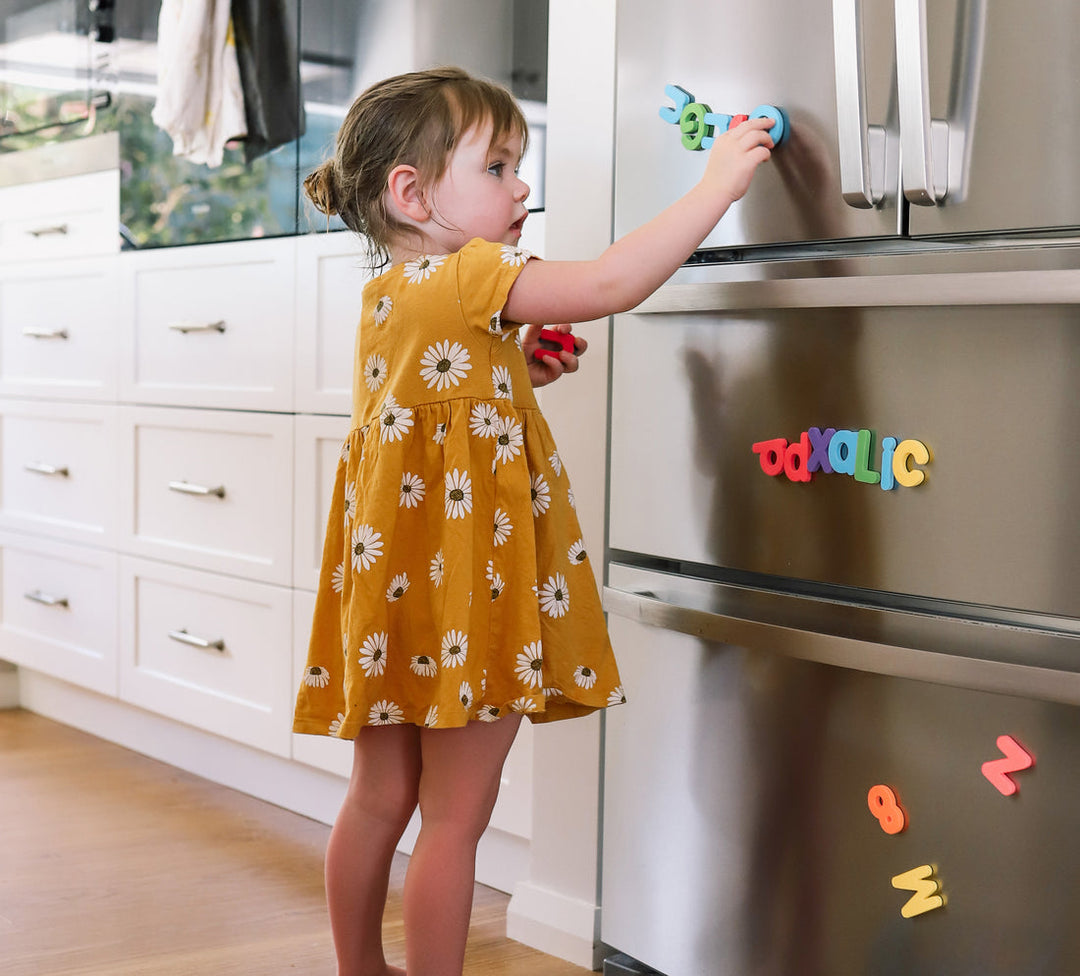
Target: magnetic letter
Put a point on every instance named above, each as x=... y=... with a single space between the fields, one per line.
x=1016 y=759
x=886 y=809
x=863 y=471
x=819 y=450
x=927 y=890
x=681 y=98
x=916 y=450
x=771 y=455
x=692 y=125
x=796 y=458
x=842 y=449
x=888 y=447
x=718 y=123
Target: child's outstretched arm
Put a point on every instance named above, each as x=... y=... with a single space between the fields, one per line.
x=636 y=265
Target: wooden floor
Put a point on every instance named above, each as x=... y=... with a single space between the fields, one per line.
x=112 y=864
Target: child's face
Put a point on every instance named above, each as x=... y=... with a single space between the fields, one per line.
x=480 y=194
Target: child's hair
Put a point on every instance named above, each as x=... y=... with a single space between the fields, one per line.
x=414 y=119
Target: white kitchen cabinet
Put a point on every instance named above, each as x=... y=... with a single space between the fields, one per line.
x=210 y=489
x=319 y=442
x=208 y=650
x=58 y=612
x=58 y=469
x=210 y=326
x=58 y=334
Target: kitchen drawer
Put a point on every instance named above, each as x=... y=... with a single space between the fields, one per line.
x=58 y=470
x=73 y=216
x=208 y=650
x=318 y=448
x=59 y=610
x=324 y=751
x=210 y=326
x=209 y=488
x=331 y=272
x=59 y=330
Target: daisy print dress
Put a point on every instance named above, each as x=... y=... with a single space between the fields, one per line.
x=455 y=583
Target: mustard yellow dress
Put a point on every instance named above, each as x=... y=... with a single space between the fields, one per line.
x=455 y=582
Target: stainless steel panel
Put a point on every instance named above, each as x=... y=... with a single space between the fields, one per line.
x=1023 y=140
x=738 y=839
x=989 y=389
x=735 y=56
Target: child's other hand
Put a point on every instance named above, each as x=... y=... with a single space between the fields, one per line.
x=734 y=157
x=546 y=370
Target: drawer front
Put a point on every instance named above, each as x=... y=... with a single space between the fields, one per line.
x=59 y=610
x=58 y=474
x=211 y=489
x=210 y=326
x=58 y=330
x=72 y=216
x=318 y=448
x=208 y=650
x=330 y=276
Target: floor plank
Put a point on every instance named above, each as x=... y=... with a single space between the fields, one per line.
x=113 y=864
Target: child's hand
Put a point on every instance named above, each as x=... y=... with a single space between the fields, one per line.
x=734 y=157
x=546 y=369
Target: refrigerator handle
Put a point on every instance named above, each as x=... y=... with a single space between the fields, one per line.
x=935 y=153
x=862 y=146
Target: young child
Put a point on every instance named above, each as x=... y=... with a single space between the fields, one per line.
x=456 y=594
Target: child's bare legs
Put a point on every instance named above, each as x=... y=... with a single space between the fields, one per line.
x=459 y=784
x=381 y=797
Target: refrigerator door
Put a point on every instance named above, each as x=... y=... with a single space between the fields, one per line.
x=999 y=116
x=738 y=834
x=733 y=57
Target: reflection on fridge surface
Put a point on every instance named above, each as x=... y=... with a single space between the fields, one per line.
x=906 y=270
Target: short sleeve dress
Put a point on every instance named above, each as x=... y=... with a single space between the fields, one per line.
x=455 y=583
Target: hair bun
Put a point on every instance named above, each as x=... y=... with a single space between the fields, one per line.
x=320 y=189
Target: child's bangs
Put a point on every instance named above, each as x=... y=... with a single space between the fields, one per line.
x=479 y=102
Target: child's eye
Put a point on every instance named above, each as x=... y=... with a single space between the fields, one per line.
x=496 y=169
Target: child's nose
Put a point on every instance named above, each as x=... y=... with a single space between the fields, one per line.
x=523 y=190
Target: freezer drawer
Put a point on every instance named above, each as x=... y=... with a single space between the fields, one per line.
x=738 y=834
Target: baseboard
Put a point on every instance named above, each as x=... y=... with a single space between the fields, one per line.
x=556 y=924
x=9 y=685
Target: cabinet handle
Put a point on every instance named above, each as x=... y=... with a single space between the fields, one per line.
x=45 y=333
x=47 y=231
x=49 y=601
x=183 y=637
x=50 y=469
x=186 y=488
x=187 y=327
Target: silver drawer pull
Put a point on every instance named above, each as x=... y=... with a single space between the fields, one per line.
x=45 y=333
x=186 y=488
x=183 y=637
x=187 y=327
x=50 y=469
x=49 y=601
x=47 y=231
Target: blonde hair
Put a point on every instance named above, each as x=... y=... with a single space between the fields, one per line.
x=415 y=119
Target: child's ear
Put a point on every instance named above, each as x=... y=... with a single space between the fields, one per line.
x=406 y=194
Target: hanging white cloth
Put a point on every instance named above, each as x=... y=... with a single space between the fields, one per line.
x=200 y=101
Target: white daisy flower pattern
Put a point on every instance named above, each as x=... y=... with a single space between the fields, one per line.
x=316 y=677
x=455 y=648
x=503 y=527
x=489 y=713
x=382 y=309
x=576 y=553
x=617 y=696
x=495 y=323
x=523 y=705
x=395 y=421
x=500 y=379
x=508 y=439
x=570 y=498
x=530 y=665
x=385 y=713
x=412 y=491
x=366 y=547
x=396 y=590
x=423 y=267
x=435 y=571
x=444 y=364
x=375 y=372
x=584 y=677
x=555 y=596
x=465 y=695
x=440 y=433
x=541 y=495
x=432 y=717
x=335 y=726
x=556 y=463
x=484 y=421
x=345 y=448
x=337 y=581
x=497 y=586
x=458 y=494
x=373 y=654
x=348 y=503
x=514 y=256
x=424 y=665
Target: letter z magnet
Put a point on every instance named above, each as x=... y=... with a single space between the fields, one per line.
x=552 y=343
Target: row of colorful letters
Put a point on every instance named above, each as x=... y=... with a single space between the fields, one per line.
x=847 y=452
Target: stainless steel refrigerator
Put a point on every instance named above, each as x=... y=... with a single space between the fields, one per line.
x=844 y=544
